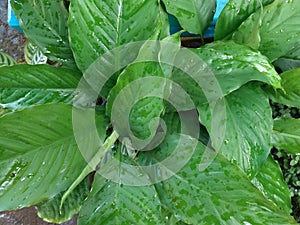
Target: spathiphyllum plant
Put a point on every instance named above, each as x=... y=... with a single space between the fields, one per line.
x=112 y=119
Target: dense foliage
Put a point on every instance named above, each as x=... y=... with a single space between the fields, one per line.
x=112 y=120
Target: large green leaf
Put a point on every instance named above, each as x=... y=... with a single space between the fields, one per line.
x=220 y=194
x=286 y=134
x=45 y=23
x=50 y=210
x=39 y=154
x=291 y=86
x=97 y=27
x=193 y=15
x=114 y=203
x=6 y=60
x=279 y=30
x=248 y=125
x=233 y=14
x=25 y=85
x=270 y=181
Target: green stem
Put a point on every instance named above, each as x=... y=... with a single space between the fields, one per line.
x=91 y=165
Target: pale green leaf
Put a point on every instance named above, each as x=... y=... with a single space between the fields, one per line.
x=286 y=134
x=291 y=86
x=6 y=60
x=194 y=15
x=39 y=155
x=33 y=54
x=233 y=14
x=45 y=23
x=97 y=27
x=270 y=181
x=25 y=85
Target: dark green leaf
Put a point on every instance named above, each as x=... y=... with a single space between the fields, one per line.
x=270 y=181
x=233 y=14
x=45 y=23
x=286 y=134
x=6 y=60
x=219 y=194
x=289 y=61
x=50 y=212
x=194 y=16
x=97 y=27
x=291 y=85
x=39 y=154
x=25 y=85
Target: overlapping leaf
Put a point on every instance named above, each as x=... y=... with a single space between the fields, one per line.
x=25 y=85
x=291 y=94
x=233 y=14
x=97 y=27
x=221 y=194
x=40 y=158
x=270 y=181
x=33 y=55
x=194 y=16
x=286 y=134
x=45 y=23
x=6 y=60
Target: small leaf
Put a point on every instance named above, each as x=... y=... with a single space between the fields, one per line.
x=50 y=210
x=286 y=134
x=234 y=13
x=24 y=85
x=6 y=60
x=291 y=85
x=40 y=157
x=270 y=181
x=45 y=23
x=33 y=54
x=193 y=15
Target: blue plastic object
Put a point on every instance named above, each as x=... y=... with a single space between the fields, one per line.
x=175 y=26
x=11 y=18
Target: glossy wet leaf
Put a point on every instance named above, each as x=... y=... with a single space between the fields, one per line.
x=97 y=27
x=291 y=85
x=33 y=54
x=50 y=212
x=286 y=134
x=248 y=122
x=221 y=194
x=270 y=181
x=39 y=159
x=24 y=85
x=113 y=203
x=45 y=23
x=6 y=60
x=280 y=30
x=233 y=14
x=194 y=16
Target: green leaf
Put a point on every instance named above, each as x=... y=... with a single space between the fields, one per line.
x=23 y=85
x=97 y=27
x=286 y=134
x=114 y=203
x=39 y=155
x=291 y=85
x=45 y=23
x=270 y=181
x=6 y=60
x=280 y=30
x=50 y=211
x=220 y=194
x=289 y=61
x=233 y=14
x=33 y=54
x=248 y=125
x=194 y=16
